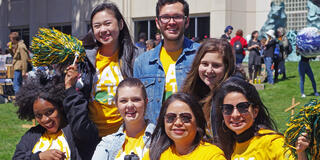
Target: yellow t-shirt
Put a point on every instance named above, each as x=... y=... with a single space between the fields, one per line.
x=53 y=141
x=205 y=151
x=168 y=60
x=133 y=144
x=267 y=147
x=102 y=109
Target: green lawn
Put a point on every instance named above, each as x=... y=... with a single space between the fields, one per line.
x=276 y=97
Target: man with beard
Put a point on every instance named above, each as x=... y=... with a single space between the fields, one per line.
x=163 y=69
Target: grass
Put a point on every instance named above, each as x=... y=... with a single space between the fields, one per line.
x=10 y=130
x=276 y=97
x=279 y=96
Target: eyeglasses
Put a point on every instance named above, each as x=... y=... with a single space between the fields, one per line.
x=184 y=117
x=242 y=107
x=167 y=18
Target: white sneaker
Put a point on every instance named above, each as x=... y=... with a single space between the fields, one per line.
x=303 y=96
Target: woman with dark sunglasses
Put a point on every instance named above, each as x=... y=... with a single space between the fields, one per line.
x=244 y=127
x=180 y=132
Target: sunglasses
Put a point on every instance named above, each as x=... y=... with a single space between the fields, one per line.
x=184 y=117
x=242 y=107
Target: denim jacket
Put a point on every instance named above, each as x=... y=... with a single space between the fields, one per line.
x=110 y=145
x=149 y=70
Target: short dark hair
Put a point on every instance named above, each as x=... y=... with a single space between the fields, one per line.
x=49 y=88
x=15 y=36
x=160 y=140
x=161 y=3
x=239 y=32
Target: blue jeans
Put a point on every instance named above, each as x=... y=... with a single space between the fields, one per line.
x=239 y=58
x=268 y=62
x=17 y=80
x=304 y=68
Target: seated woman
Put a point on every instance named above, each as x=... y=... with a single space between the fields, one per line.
x=180 y=132
x=134 y=134
x=244 y=127
x=41 y=97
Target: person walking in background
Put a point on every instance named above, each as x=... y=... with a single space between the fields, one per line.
x=19 y=51
x=254 y=65
x=157 y=39
x=305 y=68
x=268 y=54
x=149 y=44
x=239 y=43
x=227 y=33
x=142 y=41
x=164 y=68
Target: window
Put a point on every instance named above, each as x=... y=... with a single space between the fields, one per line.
x=65 y=28
x=147 y=26
x=198 y=27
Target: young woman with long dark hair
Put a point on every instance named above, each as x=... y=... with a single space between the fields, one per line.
x=110 y=56
x=244 y=127
x=181 y=132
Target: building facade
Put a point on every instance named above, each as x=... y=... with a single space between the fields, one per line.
x=297 y=12
x=207 y=17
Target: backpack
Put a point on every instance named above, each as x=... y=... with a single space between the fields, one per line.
x=238 y=47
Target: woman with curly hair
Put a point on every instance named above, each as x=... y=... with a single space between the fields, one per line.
x=41 y=97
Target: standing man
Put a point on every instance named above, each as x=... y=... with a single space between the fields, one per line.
x=142 y=41
x=20 y=59
x=163 y=69
x=269 y=52
x=158 y=39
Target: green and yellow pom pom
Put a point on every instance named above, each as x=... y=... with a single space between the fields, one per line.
x=306 y=121
x=51 y=46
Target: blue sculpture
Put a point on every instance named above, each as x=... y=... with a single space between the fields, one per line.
x=313 y=17
x=308 y=42
x=276 y=18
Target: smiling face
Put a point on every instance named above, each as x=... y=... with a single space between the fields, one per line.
x=178 y=131
x=131 y=104
x=211 y=69
x=106 y=28
x=239 y=122
x=47 y=115
x=172 y=31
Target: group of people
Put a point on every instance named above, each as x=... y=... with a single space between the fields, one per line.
x=149 y=44
x=271 y=50
x=180 y=100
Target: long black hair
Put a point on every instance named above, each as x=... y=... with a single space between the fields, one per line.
x=160 y=140
x=42 y=85
x=225 y=136
x=127 y=48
